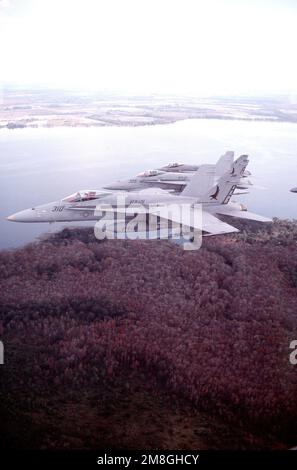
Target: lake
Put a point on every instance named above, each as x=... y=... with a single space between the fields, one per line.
x=46 y=164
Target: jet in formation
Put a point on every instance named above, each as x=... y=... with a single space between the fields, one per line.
x=206 y=195
x=175 y=176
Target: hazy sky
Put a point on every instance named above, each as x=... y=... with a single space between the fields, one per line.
x=174 y=46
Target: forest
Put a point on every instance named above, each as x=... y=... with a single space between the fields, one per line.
x=140 y=344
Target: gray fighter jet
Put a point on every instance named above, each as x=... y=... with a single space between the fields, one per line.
x=152 y=179
x=179 y=167
x=176 y=181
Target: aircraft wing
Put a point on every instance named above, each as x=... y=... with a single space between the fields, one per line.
x=199 y=220
x=214 y=226
x=244 y=215
x=194 y=219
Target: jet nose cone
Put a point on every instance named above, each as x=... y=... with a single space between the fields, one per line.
x=11 y=218
x=22 y=216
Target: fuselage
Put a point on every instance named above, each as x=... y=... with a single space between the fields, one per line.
x=93 y=209
x=64 y=211
x=179 y=167
x=153 y=178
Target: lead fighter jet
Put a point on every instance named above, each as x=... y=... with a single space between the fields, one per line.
x=215 y=200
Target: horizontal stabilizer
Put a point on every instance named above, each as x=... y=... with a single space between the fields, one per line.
x=243 y=215
x=240 y=193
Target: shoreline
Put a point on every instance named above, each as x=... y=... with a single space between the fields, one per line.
x=47 y=108
x=15 y=126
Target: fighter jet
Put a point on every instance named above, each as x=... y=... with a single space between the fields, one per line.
x=228 y=157
x=165 y=178
x=179 y=167
x=175 y=181
x=293 y=190
x=95 y=204
x=152 y=178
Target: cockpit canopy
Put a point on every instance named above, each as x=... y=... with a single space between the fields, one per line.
x=150 y=173
x=173 y=165
x=85 y=195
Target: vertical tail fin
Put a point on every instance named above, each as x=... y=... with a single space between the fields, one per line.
x=224 y=163
x=226 y=185
x=201 y=181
